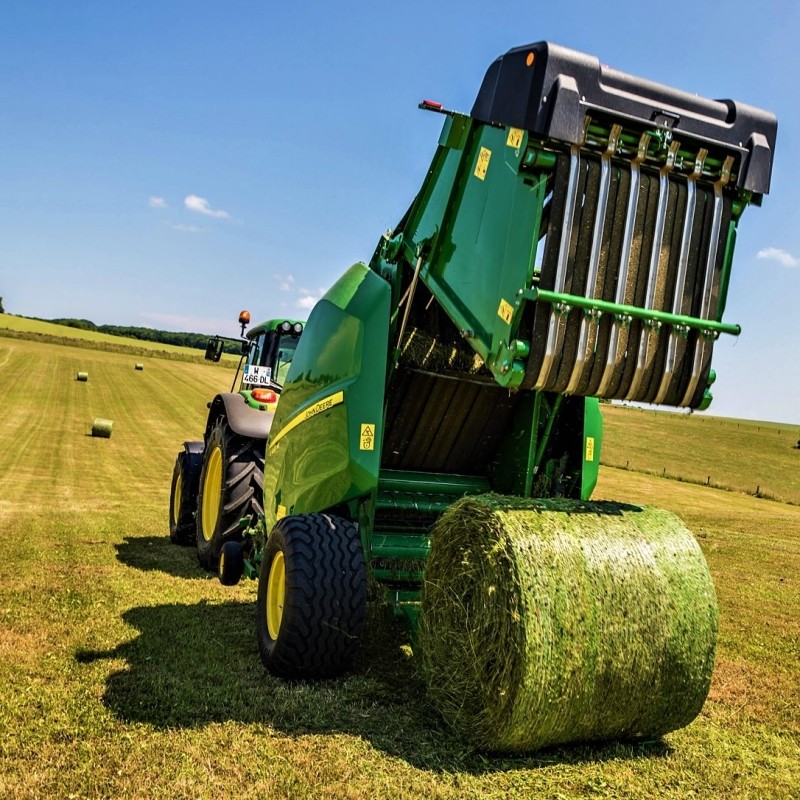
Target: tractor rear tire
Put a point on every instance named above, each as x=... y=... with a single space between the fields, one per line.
x=231 y=488
x=183 y=498
x=312 y=593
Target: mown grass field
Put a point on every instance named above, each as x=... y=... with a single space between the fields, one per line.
x=21 y=327
x=127 y=672
x=743 y=455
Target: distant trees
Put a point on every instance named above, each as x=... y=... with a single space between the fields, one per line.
x=83 y=324
x=1 y=306
x=196 y=340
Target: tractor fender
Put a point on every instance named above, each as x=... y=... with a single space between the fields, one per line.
x=243 y=419
x=193 y=448
x=192 y=465
x=194 y=456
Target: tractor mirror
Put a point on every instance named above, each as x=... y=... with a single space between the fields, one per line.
x=214 y=349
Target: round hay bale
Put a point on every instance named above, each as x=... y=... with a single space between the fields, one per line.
x=551 y=621
x=82 y=376
x=139 y=367
x=102 y=428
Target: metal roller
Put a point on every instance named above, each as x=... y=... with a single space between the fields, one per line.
x=705 y=338
x=555 y=328
x=619 y=333
x=590 y=320
x=579 y=272
x=678 y=335
x=655 y=276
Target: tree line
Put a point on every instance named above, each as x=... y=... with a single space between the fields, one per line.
x=182 y=339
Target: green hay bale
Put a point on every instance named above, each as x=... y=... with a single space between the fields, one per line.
x=102 y=428
x=82 y=376
x=547 y=622
x=139 y=367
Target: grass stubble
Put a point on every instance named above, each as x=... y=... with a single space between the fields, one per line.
x=127 y=672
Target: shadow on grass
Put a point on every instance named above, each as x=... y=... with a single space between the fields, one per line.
x=159 y=554
x=197 y=664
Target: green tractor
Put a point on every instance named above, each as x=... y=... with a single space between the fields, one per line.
x=218 y=482
x=572 y=241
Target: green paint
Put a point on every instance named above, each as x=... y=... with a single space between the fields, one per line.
x=622 y=310
x=321 y=462
x=592 y=442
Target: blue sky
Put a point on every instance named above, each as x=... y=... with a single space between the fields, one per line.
x=169 y=163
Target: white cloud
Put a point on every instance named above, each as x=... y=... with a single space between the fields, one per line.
x=157 y=202
x=285 y=282
x=307 y=301
x=186 y=228
x=784 y=258
x=201 y=206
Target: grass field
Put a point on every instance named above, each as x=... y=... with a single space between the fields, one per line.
x=127 y=672
x=21 y=327
x=746 y=456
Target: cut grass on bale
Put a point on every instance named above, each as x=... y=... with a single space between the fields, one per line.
x=126 y=671
x=550 y=621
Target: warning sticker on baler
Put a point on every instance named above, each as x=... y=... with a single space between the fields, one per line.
x=505 y=311
x=367 y=436
x=514 y=138
x=483 y=163
x=590 y=448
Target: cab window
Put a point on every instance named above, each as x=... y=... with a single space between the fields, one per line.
x=258 y=354
x=256 y=350
x=286 y=348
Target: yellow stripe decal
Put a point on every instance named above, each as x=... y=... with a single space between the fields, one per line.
x=312 y=411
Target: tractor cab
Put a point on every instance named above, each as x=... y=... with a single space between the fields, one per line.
x=267 y=351
x=270 y=350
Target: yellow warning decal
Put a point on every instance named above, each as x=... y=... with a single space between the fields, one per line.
x=514 y=138
x=367 y=436
x=483 y=163
x=281 y=512
x=505 y=311
x=323 y=405
x=590 y=448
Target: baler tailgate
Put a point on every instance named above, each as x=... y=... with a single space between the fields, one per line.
x=632 y=195
x=638 y=242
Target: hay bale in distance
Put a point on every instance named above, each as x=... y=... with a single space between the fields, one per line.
x=549 y=621
x=82 y=376
x=102 y=428
x=139 y=367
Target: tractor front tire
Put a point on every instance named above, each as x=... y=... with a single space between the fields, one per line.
x=231 y=564
x=183 y=498
x=231 y=488
x=311 y=597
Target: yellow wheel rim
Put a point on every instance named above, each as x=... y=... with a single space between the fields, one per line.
x=177 y=496
x=276 y=591
x=212 y=493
